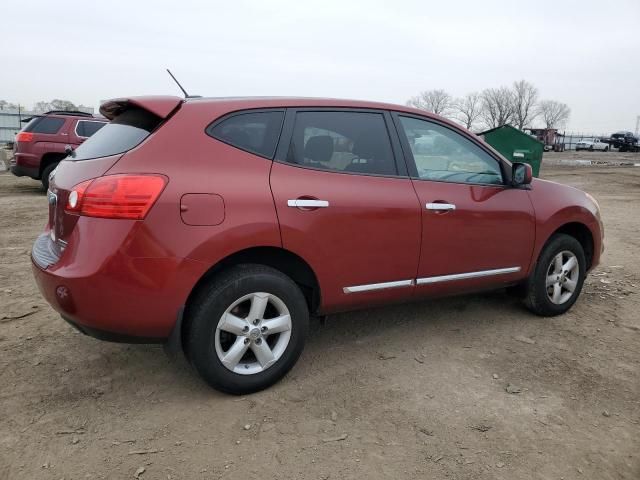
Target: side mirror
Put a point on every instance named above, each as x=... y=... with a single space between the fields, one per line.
x=68 y=149
x=521 y=174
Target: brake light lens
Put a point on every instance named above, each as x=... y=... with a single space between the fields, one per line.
x=116 y=196
x=24 y=137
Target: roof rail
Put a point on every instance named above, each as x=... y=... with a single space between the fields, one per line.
x=75 y=113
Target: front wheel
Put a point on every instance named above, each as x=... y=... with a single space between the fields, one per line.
x=606 y=149
x=246 y=329
x=558 y=277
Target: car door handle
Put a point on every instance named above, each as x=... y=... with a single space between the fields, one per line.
x=307 y=203
x=441 y=206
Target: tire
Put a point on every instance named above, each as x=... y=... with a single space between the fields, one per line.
x=591 y=148
x=544 y=300
x=45 y=174
x=237 y=295
x=606 y=149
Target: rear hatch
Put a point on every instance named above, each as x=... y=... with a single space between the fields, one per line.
x=39 y=128
x=132 y=121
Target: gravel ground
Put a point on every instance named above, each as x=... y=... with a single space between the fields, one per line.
x=410 y=391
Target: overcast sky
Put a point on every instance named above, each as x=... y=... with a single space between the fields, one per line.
x=583 y=53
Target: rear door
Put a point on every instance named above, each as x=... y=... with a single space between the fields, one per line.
x=346 y=205
x=477 y=232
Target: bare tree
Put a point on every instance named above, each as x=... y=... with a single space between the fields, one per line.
x=497 y=106
x=434 y=101
x=554 y=114
x=42 y=107
x=525 y=97
x=4 y=105
x=468 y=109
x=57 y=104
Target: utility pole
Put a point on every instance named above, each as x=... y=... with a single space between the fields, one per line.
x=637 y=124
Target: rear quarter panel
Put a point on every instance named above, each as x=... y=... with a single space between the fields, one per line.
x=197 y=163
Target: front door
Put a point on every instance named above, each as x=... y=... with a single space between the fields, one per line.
x=477 y=232
x=346 y=206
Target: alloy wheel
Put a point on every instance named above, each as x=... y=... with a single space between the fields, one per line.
x=253 y=333
x=562 y=277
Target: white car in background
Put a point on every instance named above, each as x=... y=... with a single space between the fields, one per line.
x=592 y=144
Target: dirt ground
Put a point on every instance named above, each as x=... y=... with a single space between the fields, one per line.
x=412 y=391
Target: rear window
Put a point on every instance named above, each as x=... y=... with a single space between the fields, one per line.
x=48 y=125
x=255 y=132
x=86 y=128
x=123 y=133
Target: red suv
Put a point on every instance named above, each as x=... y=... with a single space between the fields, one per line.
x=219 y=225
x=45 y=140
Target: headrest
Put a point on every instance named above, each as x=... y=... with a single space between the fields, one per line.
x=319 y=148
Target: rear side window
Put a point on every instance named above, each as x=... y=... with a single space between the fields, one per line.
x=86 y=128
x=354 y=142
x=255 y=132
x=48 y=125
x=123 y=133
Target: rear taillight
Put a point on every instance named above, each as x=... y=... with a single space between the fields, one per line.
x=24 y=137
x=116 y=196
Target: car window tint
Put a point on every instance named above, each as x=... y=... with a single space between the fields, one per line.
x=86 y=128
x=256 y=132
x=48 y=125
x=123 y=133
x=444 y=155
x=355 y=142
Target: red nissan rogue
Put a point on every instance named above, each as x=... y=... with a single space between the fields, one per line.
x=218 y=226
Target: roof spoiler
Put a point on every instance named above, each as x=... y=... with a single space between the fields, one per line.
x=161 y=106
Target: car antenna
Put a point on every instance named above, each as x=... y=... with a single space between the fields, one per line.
x=186 y=95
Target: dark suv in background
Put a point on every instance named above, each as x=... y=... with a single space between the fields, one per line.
x=624 y=141
x=41 y=144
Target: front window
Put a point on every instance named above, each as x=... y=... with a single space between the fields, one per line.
x=443 y=155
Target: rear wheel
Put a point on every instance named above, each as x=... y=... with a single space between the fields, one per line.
x=558 y=277
x=45 y=174
x=247 y=329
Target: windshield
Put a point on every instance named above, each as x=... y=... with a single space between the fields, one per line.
x=123 y=133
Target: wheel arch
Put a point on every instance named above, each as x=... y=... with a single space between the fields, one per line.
x=582 y=233
x=48 y=159
x=279 y=258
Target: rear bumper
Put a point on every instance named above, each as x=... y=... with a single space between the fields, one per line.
x=25 y=165
x=110 y=336
x=20 y=171
x=110 y=295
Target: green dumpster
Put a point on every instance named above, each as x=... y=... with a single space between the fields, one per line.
x=516 y=146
